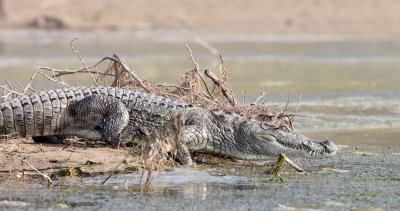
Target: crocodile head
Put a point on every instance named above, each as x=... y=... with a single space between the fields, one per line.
x=263 y=138
x=249 y=139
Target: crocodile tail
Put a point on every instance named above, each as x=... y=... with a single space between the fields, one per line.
x=27 y=116
x=37 y=114
x=44 y=113
x=17 y=116
x=12 y=121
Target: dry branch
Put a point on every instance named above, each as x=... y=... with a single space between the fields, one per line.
x=293 y=165
x=218 y=82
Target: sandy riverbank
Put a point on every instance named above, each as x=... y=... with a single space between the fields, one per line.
x=371 y=18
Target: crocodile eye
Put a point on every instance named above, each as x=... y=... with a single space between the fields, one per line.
x=284 y=128
x=268 y=126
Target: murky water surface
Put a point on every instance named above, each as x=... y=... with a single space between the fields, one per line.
x=344 y=89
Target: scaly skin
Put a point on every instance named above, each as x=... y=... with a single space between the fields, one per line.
x=116 y=115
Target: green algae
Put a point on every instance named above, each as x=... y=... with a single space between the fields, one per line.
x=333 y=170
x=277 y=168
x=275 y=171
x=14 y=203
x=61 y=206
x=68 y=172
x=131 y=168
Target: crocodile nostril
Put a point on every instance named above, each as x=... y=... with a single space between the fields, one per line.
x=328 y=142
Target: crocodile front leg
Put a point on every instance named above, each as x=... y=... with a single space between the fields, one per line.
x=183 y=154
x=195 y=137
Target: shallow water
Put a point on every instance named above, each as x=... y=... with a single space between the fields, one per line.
x=354 y=179
x=345 y=89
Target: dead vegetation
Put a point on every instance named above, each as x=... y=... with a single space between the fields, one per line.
x=200 y=87
x=214 y=93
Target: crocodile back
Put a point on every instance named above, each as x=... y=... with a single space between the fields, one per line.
x=44 y=113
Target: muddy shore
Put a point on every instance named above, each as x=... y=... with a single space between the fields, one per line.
x=74 y=159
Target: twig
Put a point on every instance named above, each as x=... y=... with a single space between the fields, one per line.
x=40 y=169
x=244 y=96
x=50 y=182
x=197 y=67
x=12 y=148
x=51 y=79
x=9 y=84
x=81 y=59
x=148 y=178
x=293 y=165
x=206 y=45
x=287 y=104
x=69 y=72
x=22 y=87
x=126 y=69
x=222 y=67
x=298 y=105
x=115 y=168
x=11 y=91
x=259 y=98
x=30 y=81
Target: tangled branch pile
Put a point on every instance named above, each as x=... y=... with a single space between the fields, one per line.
x=213 y=93
x=216 y=93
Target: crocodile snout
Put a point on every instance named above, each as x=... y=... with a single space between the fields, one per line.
x=330 y=147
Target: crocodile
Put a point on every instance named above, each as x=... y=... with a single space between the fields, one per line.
x=115 y=115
